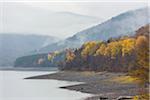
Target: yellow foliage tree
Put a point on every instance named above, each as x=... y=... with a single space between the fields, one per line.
x=128 y=45
x=88 y=48
x=51 y=56
x=115 y=48
x=142 y=49
x=70 y=56
x=101 y=50
x=142 y=45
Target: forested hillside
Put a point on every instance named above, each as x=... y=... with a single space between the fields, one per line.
x=14 y=45
x=118 y=54
x=32 y=61
x=40 y=60
x=123 y=24
x=129 y=54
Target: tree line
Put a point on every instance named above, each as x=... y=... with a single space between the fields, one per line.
x=123 y=54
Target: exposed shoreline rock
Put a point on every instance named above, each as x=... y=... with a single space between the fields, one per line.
x=99 y=84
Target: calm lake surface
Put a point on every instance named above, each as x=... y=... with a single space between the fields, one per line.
x=14 y=87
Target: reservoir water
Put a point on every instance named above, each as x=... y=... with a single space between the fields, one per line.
x=13 y=86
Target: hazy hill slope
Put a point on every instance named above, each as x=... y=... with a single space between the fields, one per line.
x=121 y=54
x=123 y=24
x=39 y=60
x=21 y=18
x=14 y=45
x=24 y=19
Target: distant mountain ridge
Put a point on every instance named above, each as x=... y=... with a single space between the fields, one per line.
x=13 y=46
x=21 y=18
x=123 y=24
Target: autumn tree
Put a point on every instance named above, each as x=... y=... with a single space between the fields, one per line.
x=70 y=55
x=101 y=50
x=142 y=50
x=128 y=45
x=122 y=54
x=88 y=48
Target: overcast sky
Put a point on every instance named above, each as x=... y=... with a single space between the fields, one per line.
x=98 y=8
x=103 y=9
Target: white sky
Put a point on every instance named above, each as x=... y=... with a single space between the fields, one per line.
x=99 y=8
x=103 y=9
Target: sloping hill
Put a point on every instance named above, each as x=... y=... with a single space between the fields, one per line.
x=21 y=18
x=15 y=45
x=123 y=24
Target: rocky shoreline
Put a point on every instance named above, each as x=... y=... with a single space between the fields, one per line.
x=100 y=84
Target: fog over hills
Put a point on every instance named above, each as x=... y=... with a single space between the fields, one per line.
x=15 y=45
x=20 y=18
x=18 y=21
x=123 y=24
